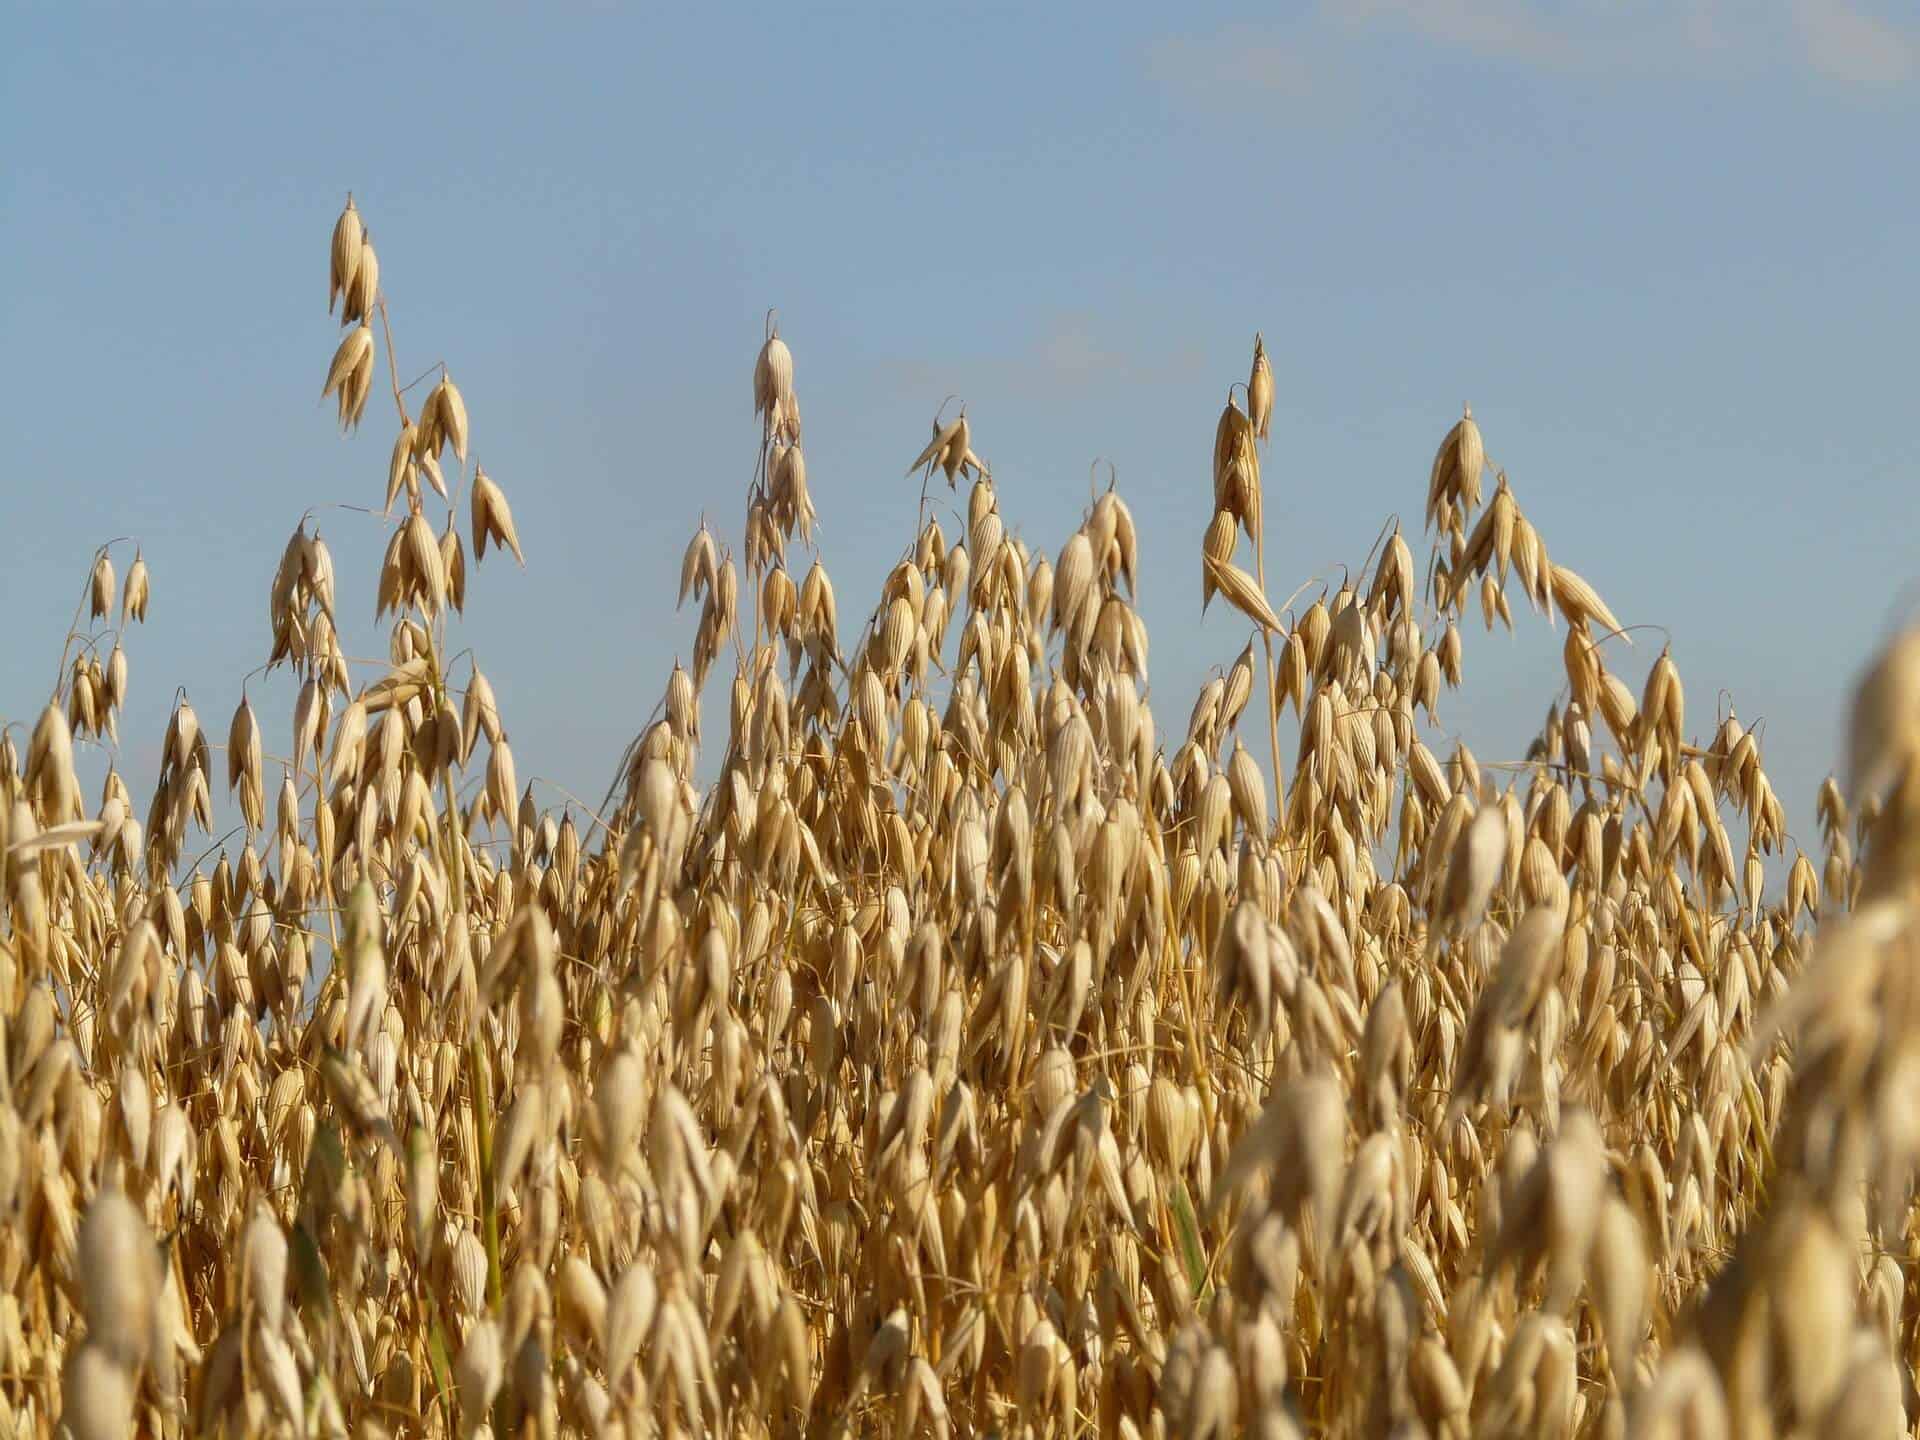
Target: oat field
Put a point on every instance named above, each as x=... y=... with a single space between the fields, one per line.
x=975 y=1052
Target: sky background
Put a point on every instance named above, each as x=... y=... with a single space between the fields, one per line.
x=1666 y=251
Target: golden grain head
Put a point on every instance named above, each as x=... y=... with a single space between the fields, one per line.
x=920 y=1038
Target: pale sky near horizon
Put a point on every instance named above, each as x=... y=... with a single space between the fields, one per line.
x=1667 y=252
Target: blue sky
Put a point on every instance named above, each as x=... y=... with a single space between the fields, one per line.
x=1665 y=250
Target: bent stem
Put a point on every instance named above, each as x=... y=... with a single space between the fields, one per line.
x=1273 y=684
x=477 y=1067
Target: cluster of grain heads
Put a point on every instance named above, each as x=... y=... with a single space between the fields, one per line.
x=350 y=374
x=353 y=278
x=96 y=687
x=1453 y=487
x=931 y=1042
x=353 y=274
x=950 y=451
x=492 y=520
x=778 y=503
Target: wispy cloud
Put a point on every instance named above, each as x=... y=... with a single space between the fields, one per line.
x=1071 y=350
x=1494 y=29
x=1241 y=59
x=1855 y=47
x=1067 y=352
x=1324 y=52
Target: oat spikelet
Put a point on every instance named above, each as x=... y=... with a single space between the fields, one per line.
x=1260 y=390
x=133 y=599
x=245 y=773
x=350 y=375
x=348 y=243
x=100 y=587
x=492 y=518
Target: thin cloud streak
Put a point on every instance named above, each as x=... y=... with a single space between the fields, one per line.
x=1854 y=47
x=1311 y=61
x=1491 y=29
x=1067 y=352
x=1241 y=60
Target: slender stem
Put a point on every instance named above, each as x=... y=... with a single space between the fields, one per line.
x=477 y=1067
x=322 y=863
x=73 y=630
x=586 y=809
x=435 y=1310
x=393 y=365
x=1273 y=686
x=1177 y=962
